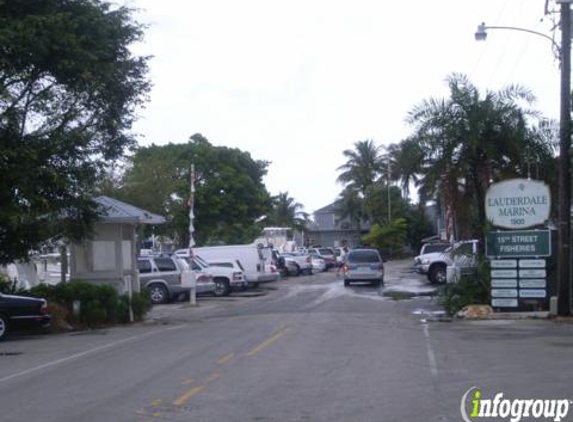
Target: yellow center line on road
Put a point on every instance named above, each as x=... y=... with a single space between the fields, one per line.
x=226 y=358
x=188 y=395
x=212 y=378
x=282 y=327
x=194 y=391
x=268 y=342
x=187 y=381
x=157 y=402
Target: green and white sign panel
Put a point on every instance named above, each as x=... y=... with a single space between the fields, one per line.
x=518 y=203
x=513 y=280
x=519 y=244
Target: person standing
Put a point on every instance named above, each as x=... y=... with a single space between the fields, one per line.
x=343 y=255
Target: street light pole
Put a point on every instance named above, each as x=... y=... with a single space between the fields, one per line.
x=564 y=235
x=564 y=227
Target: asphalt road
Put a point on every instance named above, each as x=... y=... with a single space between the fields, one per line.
x=303 y=349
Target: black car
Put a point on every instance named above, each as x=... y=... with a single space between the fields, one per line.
x=22 y=312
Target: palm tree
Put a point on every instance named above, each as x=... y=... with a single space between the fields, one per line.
x=405 y=160
x=350 y=205
x=469 y=140
x=286 y=212
x=363 y=166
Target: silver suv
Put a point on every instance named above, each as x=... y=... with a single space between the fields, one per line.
x=162 y=275
x=364 y=265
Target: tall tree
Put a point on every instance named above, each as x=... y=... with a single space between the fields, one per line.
x=286 y=212
x=69 y=87
x=469 y=140
x=230 y=194
x=363 y=166
x=350 y=205
x=406 y=161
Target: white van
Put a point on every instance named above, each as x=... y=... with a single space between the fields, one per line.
x=255 y=259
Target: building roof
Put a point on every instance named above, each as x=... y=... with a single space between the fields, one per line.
x=114 y=211
x=330 y=208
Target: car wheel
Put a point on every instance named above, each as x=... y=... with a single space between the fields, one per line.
x=3 y=326
x=438 y=274
x=222 y=287
x=158 y=294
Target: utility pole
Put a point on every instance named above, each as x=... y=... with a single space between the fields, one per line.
x=564 y=235
x=388 y=176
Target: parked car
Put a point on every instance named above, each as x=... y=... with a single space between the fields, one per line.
x=326 y=254
x=22 y=312
x=435 y=264
x=162 y=276
x=225 y=279
x=318 y=264
x=431 y=247
x=297 y=263
x=364 y=265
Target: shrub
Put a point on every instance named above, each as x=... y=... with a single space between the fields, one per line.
x=100 y=304
x=59 y=315
x=471 y=289
x=140 y=304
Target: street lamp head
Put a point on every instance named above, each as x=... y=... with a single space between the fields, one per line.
x=481 y=33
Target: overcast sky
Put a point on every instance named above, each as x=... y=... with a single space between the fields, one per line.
x=297 y=82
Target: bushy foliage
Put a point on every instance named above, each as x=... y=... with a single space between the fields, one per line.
x=69 y=90
x=389 y=239
x=140 y=304
x=230 y=195
x=471 y=289
x=99 y=304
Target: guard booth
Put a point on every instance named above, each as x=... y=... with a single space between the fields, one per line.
x=110 y=256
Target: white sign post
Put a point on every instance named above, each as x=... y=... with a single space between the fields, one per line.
x=192 y=281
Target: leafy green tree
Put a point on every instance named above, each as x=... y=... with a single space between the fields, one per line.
x=376 y=203
x=286 y=212
x=389 y=238
x=69 y=88
x=230 y=194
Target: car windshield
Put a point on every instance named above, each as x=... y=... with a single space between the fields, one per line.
x=325 y=251
x=363 y=257
x=437 y=247
x=200 y=261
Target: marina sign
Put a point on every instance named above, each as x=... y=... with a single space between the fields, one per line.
x=518 y=203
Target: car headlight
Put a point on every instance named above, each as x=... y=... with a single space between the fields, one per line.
x=425 y=261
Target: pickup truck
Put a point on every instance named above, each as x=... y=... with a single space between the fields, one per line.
x=225 y=279
x=435 y=264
